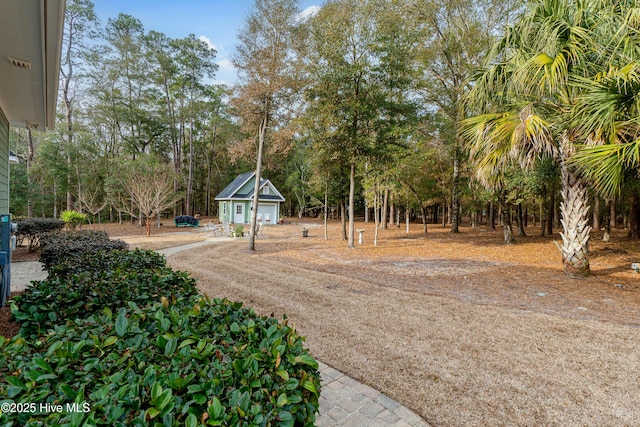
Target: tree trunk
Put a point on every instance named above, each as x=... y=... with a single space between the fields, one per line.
x=574 y=209
x=505 y=213
x=519 y=216
x=55 y=200
x=423 y=213
x=607 y=222
x=543 y=218
x=634 y=212
x=366 y=210
x=444 y=215
x=376 y=202
x=191 y=152
x=491 y=218
x=352 y=190
x=343 y=218
x=29 y=177
x=326 y=210
x=612 y=214
x=455 y=196
x=407 y=212
x=256 y=188
x=385 y=205
x=596 y=213
x=551 y=210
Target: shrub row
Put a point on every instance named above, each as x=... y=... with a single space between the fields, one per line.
x=114 y=260
x=59 y=246
x=50 y=302
x=33 y=228
x=197 y=362
x=129 y=342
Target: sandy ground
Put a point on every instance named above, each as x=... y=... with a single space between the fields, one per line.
x=459 y=328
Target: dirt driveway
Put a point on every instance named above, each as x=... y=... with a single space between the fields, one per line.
x=459 y=328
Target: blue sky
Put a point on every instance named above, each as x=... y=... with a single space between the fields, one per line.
x=216 y=20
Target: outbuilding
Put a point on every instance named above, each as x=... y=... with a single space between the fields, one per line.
x=236 y=200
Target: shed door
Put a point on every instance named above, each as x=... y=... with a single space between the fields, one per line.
x=238 y=216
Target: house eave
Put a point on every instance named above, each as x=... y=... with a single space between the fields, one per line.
x=31 y=35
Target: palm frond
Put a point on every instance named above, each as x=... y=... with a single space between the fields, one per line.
x=605 y=165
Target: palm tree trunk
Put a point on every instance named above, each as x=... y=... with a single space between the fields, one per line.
x=575 y=222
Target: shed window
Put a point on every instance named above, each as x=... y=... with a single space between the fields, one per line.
x=239 y=209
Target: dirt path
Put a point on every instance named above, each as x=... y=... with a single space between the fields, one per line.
x=471 y=354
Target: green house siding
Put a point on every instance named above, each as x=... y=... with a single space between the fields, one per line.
x=4 y=163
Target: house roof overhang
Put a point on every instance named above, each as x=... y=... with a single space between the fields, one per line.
x=30 y=47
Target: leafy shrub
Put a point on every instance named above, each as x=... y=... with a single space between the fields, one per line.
x=51 y=302
x=239 y=231
x=59 y=246
x=33 y=228
x=73 y=218
x=119 y=259
x=196 y=362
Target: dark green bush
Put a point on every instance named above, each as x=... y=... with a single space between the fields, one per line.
x=33 y=228
x=194 y=363
x=51 y=302
x=61 y=245
x=134 y=260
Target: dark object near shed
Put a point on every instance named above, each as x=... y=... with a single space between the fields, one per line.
x=186 y=221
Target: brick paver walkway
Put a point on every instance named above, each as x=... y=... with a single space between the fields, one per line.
x=344 y=401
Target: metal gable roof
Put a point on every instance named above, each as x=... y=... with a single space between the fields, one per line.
x=231 y=191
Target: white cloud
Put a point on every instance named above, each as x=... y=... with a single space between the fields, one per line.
x=226 y=65
x=309 y=12
x=207 y=40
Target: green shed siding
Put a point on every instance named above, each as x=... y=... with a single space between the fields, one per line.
x=4 y=163
x=224 y=211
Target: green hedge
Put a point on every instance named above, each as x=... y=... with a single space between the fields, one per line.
x=131 y=343
x=51 y=302
x=118 y=259
x=197 y=362
x=33 y=228
x=61 y=245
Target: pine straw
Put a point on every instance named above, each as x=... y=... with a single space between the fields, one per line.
x=459 y=328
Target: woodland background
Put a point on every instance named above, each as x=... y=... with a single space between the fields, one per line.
x=365 y=90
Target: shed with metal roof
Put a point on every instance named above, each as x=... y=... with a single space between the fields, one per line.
x=236 y=200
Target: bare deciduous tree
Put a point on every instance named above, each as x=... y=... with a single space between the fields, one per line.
x=149 y=185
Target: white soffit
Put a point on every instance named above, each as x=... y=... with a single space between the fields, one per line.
x=30 y=44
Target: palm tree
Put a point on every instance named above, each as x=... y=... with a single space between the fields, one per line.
x=612 y=105
x=526 y=99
